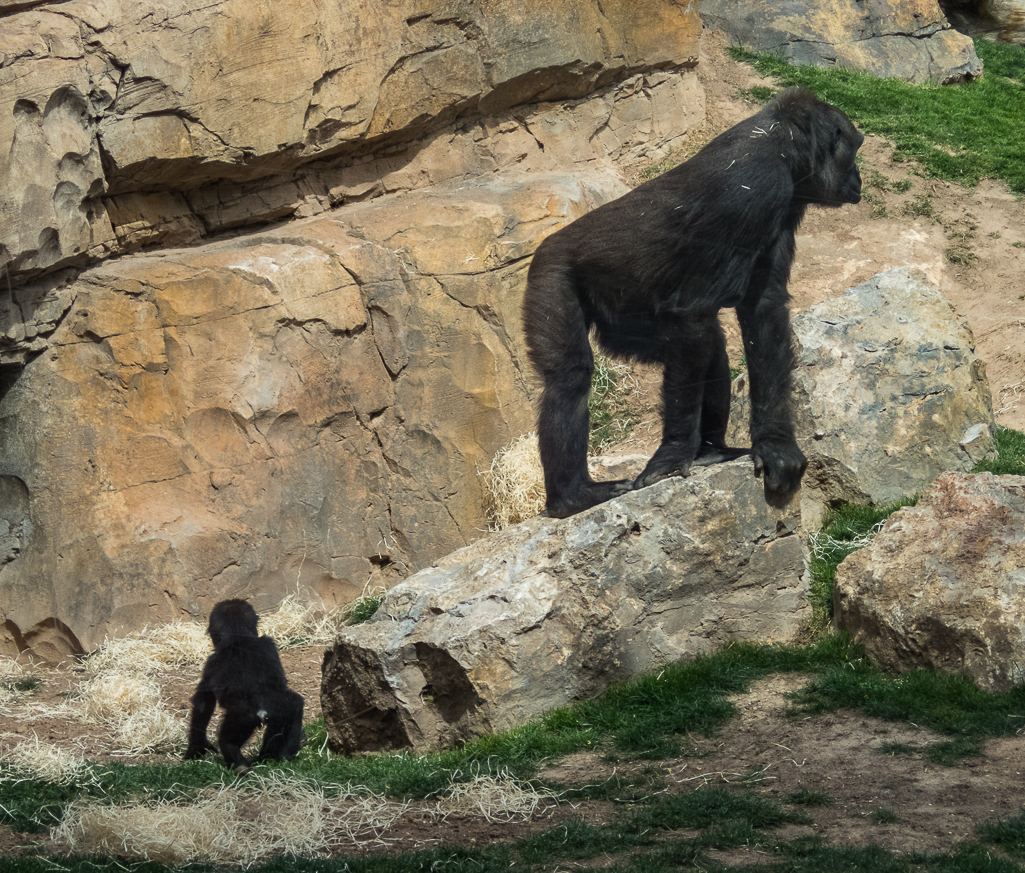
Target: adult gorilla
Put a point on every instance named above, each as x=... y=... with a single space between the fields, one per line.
x=649 y=273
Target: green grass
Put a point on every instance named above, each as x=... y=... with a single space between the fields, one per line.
x=671 y=856
x=25 y=684
x=846 y=529
x=884 y=816
x=363 y=609
x=950 y=705
x=610 y=418
x=805 y=797
x=963 y=133
x=1011 y=454
x=33 y=805
x=1009 y=835
x=728 y=819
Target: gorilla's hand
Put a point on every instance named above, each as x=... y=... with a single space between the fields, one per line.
x=781 y=463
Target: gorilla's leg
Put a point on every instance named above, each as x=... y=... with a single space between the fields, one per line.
x=563 y=429
x=715 y=409
x=283 y=735
x=770 y=362
x=686 y=354
x=203 y=704
x=559 y=348
x=695 y=399
x=237 y=727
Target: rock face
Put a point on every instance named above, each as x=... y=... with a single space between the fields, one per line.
x=308 y=406
x=151 y=122
x=549 y=611
x=888 y=394
x=942 y=584
x=901 y=39
x=998 y=20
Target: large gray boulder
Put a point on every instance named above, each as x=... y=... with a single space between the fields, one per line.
x=942 y=584
x=901 y=39
x=549 y=611
x=888 y=394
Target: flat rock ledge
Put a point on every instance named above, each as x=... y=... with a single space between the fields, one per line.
x=550 y=611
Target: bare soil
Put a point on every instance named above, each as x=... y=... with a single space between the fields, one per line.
x=764 y=749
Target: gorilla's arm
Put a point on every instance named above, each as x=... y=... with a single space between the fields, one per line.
x=203 y=703
x=768 y=345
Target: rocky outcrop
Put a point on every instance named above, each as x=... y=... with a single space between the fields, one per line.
x=888 y=394
x=145 y=123
x=998 y=20
x=307 y=407
x=549 y=611
x=941 y=585
x=901 y=39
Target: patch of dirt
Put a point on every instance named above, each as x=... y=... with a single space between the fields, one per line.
x=934 y=808
x=839 y=755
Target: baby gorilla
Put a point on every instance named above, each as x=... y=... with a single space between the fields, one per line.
x=244 y=675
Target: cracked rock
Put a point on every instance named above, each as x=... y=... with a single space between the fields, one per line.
x=549 y=611
x=888 y=394
x=900 y=39
x=134 y=124
x=941 y=585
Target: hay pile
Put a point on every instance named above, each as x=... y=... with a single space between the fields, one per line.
x=514 y=487
x=274 y=814
x=10 y=689
x=31 y=759
x=266 y=815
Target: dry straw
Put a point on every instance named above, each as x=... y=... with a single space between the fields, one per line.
x=267 y=815
x=10 y=669
x=10 y=672
x=274 y=814
x=153 y=650
x=515 y=485
x=131 y=706
x=33 y=760
x=498 y=798
x=295 y=624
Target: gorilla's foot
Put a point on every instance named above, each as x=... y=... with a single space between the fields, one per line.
x=709 y=454
x=588 y=495
x=652 y=475
x=671 y=459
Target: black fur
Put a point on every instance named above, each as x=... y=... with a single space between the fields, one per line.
x=244 y=675
x=649 y=273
